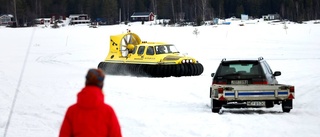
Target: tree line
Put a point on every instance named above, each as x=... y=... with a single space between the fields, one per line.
x=176 y=10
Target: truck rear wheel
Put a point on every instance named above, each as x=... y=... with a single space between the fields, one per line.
x=215 y=106
x=286 y=106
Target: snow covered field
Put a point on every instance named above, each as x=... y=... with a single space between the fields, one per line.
x=45 y=68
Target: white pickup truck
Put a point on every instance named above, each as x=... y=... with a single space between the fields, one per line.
x=248 y=83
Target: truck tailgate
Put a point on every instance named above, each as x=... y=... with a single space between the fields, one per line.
x=254 y=92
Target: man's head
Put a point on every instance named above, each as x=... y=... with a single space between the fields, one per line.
x=95 y=77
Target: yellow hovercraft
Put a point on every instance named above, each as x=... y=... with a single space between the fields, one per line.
x=128 y=55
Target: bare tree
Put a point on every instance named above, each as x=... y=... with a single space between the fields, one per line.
x=173 y=13
x=195 y=9
x=204 y=8
x=15 y=12
x=181 y=14
x=297 y=10
x=154 y=6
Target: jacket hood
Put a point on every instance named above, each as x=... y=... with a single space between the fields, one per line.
x=90 y=97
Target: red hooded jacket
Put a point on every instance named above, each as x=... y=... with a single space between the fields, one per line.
x=90 y=116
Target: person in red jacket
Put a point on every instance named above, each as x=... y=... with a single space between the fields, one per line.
x=90 y=116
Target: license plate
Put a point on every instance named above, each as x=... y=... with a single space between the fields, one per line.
x=256 y=103
x=239 y=82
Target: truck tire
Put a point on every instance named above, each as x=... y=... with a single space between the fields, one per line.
x=286 y=106
x=210 y=92
x=215 y=106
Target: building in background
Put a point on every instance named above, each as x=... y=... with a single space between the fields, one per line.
x=142 y=16
x=79 y=19
x=6 y=19
x=271 y=17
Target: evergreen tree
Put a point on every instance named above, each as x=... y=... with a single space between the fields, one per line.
x=190 y=10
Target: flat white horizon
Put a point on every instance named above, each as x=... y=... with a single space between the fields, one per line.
x=46 y=69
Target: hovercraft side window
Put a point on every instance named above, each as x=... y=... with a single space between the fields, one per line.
x=134 y=50
x=150 y=50
x=141 y=50
x=161 y=49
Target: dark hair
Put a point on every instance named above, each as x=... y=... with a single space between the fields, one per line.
x=95 y=77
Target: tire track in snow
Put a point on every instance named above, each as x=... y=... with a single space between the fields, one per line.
x=53 y=58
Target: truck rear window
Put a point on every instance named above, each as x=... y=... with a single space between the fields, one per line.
x=248 y=68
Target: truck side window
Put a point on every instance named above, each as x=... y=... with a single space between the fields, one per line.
x=266 y=68
x=141 y=50
x=150 y=50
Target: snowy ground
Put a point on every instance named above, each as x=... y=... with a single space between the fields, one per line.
x=45 y=69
